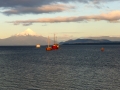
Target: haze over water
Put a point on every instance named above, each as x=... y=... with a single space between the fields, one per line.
x=69 y=68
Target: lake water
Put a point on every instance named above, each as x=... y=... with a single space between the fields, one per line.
x=75 y=67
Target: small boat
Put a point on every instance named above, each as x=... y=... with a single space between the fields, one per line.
x=55 y=45
x=102 y=49
x=48 y=48
x=37 y=45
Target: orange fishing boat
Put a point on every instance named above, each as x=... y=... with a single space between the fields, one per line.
x=102 y=49
x=48 y=48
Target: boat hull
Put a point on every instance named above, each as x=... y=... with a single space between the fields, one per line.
x=48 y=49
x=55 y=46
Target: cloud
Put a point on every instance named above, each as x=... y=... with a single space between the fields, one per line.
x=41 y=6
x=37 y=10
x=113 y=16
x=34 y=3
x=64 y=33
x=27 y=24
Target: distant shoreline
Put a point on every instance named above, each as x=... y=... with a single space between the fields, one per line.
x=112 y=43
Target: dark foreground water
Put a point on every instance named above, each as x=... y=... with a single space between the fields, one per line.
x=69 y=68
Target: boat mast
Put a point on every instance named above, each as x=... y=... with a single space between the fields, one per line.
x=54 y=38
x=48 y=41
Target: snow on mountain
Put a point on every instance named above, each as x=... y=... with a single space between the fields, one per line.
x=27 y=32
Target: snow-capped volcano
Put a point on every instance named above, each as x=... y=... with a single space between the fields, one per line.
x=27 y=32
x=28 y=37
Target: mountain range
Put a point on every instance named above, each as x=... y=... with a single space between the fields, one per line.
x=105 y=37
x=89 y=42
x=27 y=37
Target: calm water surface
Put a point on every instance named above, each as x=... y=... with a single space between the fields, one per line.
x=69 y=68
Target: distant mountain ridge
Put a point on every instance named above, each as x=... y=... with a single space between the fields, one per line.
x=87 y=42
x=111 y=38
x=27 y=37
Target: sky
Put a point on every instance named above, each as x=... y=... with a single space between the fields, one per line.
x=68 y=19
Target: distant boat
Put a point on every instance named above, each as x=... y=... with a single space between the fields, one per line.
x=48 y=48
x=102 y=49
x=55 y=45
x=37 y=45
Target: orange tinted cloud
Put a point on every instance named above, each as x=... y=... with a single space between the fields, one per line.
x=113 y=16
x=55 y=7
